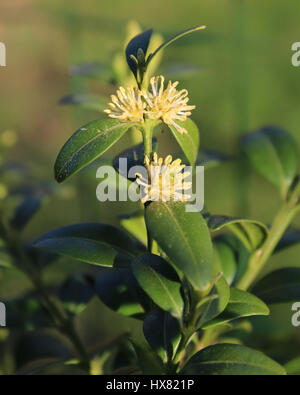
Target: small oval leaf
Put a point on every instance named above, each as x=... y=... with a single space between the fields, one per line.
x=232 y=359
x=87 y=144
x=160 y=281
x=241 y=304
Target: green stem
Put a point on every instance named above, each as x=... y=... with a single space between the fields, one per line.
x=147 y=132
x=147 y=137
x=260 y=257
x=59 y=317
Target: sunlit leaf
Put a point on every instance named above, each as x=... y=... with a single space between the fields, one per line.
x=189 y=142
x=184 y=237
x=280 y=286
x=87 y=144
x=241 y=304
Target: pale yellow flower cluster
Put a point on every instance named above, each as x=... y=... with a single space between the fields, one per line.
x=158 y=103
x=166 y=180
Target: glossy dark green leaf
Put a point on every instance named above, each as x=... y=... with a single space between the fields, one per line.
x=134 y=157
x=185 y=238
x=94 y=243
x=274 y=154
x=293 y=367
x=87 y=101
x=241 y=304
x=162 y=332
x=160 y=281
x=232 y=359
x=140 y=41
x=87 y=144
x=119 y=290
x=225 y=260
x=105 y=233
x=172 y=39
x=189 y=142
x=251 y=233
x=280 y=286
x=214 y=307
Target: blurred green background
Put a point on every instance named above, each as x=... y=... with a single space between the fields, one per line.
x=241 y=79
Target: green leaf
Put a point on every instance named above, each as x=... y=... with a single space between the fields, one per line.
x=87 y=101
x=149 y=362
x=172 y=39
x=232 y=359
x=119 y=290
x=162 y=332
x=225 y=260
x=185 y=238
x=274 y=154
x=135 y=225
x=251 y=233
x=141 y=41
x=87 y=144
x=75 y=293
x=280 y=286
x=293 y=367
x=93 y=243
x=160 y=281
x=134 y=157
x=189 y=142
x=215 y=307
x=241 y=304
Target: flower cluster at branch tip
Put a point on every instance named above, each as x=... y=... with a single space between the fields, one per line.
x=165 y=180
x=168 y=104
x=127 y=105
x=158 y=103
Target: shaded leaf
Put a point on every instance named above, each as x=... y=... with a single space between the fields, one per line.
x=162 y=332
x=232 y=359
x=88 y=101
x=141 y=41
x=289 y=239
x=160 y=281
x=280 y=286
x=119 y=290
x=209 y=158
x=148 y=360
